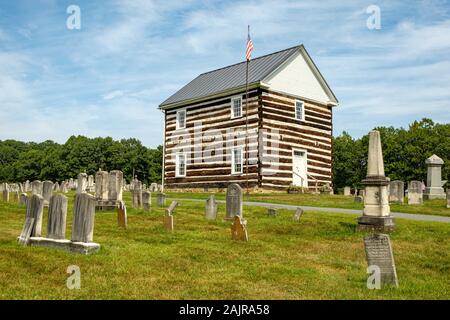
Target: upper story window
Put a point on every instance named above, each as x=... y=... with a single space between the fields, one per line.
x=236 y=161
x=299 y=110
x=180 y=168
x=181 y=119
x=236 y=107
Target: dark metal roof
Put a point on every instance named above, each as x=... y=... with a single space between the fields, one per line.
x=230 y=77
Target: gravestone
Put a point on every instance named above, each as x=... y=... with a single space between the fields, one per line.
x=146 y=200
x=415 y=193
x=239 y=229
x=47 y=191
x=379 y=253
x=434 y=189
x=5 y=195
x=23 y=199
x=211 y=208
x=115 y=185
x=83 y=218
x=36 y=187
x=56 y=187
x=448 y=198
x=396 y=191
x=168 y=217
x=298 y=214
x=377 y=212
x=25 y=235
x=347 y=191
x=358 y=199
x=122 y=219
x=234 y=201
x=90 y=183
x=153 y=187
x=271 y=212
x=82 y=183
x=57 y=213
x=137 y=194
x=101 y=185
x=16 y=196
x=160 y=199
x=27 y=186
x=35 y=209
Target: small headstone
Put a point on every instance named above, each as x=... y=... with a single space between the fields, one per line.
x=122 y=219
x=347 y=191
x=211 y=208
x=57 y=213
x=5 y=195
x=298 y=213
x=234 y=201
x=379 y=253
x=153 y=187
x=35 y=209
x=146 y=199
x=82 y=183
x=101 y=185
x=161 y=199
x=172 y=207
x=415 y=192
x=396 y=191
x=137 y=195
x=168 y=217
x=56 y=187
x=239 y=229
x=115 y=185
x=271 y=212
x=83 y=218
x=23 y=199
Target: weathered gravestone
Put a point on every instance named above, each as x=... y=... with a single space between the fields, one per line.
x=35 y=209
x=396 y=191
x=234 y=201
x=83 y=218
x=82 y=183
x=23 y=199
x=57 y=213
x=434 y=189
x=56 y=187
x=36 y=187
x=153 y=187
x=379 y=255
x=448 y=198
x=415 y=193
x=122 y=219
x=211 y=208
x=298 y=214
x=137 y=194
x=146 y=200
x=272 y=212
x=47 y=191
x=6 y=195
x=101 y=185
x=115 y=186
x=347 y=191
x=160 y=199
x=25 y=235
x=239 y=229
x=168 y=217
x=27 y=186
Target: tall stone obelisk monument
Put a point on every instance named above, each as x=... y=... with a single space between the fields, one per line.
x=377 y=213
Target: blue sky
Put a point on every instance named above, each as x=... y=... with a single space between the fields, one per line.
x=108 y=78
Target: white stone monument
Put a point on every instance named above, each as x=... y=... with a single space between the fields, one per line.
x=434 y=189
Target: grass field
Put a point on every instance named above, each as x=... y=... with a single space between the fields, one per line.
x=431 y=207
x=319 y=257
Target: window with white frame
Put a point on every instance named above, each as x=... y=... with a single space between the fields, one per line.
x=181 y=119
x=236 y=161
x=299 y=110
x=236 y=107
x=180 y=170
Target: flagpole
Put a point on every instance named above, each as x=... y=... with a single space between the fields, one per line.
x=246 y=120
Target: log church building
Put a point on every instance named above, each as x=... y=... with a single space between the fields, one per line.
x=282 y=137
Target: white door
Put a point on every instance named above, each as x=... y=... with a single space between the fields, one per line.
x=299 y=169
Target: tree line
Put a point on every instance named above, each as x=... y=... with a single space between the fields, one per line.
x=404 y=151
x=21 y=161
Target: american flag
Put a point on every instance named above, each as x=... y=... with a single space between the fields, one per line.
x=248 y=51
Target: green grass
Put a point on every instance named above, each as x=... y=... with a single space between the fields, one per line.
x=320 y=257
x=431 y=207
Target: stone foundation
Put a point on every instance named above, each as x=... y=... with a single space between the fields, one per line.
x=76 y=247
x=377 y=224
